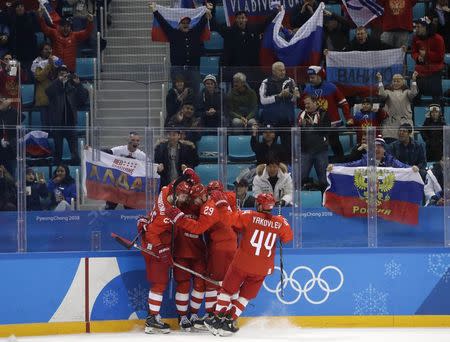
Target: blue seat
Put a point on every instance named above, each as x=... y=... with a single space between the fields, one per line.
x=311 y=199
x=447 y=114
x=447 y=58
x=410 y=63
x=445 y=86
x=215 y=42
x=208 y=148
x=419 y=10
x=239 y=148
x=27 y=94
x=35 y=119
x=334 y=8
x=346 y=142
x=233 y=170
x=85 y=68
x=209 y=65
x=73 y=171
x=220 y=15
x=207 y=172
x=419 y=115
x=66 y=151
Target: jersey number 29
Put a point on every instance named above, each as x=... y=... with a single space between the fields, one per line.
x=258 y=238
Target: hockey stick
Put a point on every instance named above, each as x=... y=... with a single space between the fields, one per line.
x=125 y=242
x=281 y=250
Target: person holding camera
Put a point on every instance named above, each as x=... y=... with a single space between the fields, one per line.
x=35 y=189
x=65 y=94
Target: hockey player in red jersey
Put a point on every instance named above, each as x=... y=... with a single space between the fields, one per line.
x=231 y=196
x=214 y=219
x=253 y=260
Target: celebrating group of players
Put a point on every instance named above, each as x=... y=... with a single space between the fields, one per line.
x=198 y=228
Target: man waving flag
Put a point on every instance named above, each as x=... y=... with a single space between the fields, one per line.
x=362 y=11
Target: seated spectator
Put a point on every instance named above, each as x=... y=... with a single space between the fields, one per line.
x=273 y=178
x=358 y=150
x=434 y=185
x=186 y=119
x=268 y=146
x=428 y=51
x=432 y=133
x=364 y=42
x=62 y=189
x=315 y=124
x=8 y=191
x=35 y=190
x=176 y=96
x=440 y=16
x=241 y=102
x=367 y=117
x=398 y=100
x=209 y=103
x=8 y=120
x=172 y=154
x=243 y=198
x=409 y=151
x=64 y=40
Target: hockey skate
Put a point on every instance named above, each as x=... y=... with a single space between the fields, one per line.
x=153 y=324
x=199 y=323
x=228 y=327
x=213 y=323
x=185 y=323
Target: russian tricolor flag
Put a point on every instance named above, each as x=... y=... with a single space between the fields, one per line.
x=399 y=193
x=51 y=15
x=303 y=48
x=173 y=17
x=37 y=145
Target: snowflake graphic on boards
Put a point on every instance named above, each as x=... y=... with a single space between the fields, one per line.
x=138 y=298
x=439 y=265
x=392 y=269
x=370 y=302
x=110 y=298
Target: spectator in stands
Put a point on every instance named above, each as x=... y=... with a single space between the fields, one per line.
x=428 y=51
x=315 y=122
x=35 y=190
x=209 y=106
x=10 y=79
x=278 y=94
x=336 y=31
x=440 y=15
x=367 y=117
x=302 y=12
x=432 y=132
x=64 y=40
x=4 y=33
x=329 y=98
x=241 y=102
x=243 y=198
x=273 y=178
x=397 y=21
x=23 y=39
x=186 y=118
x=398 y=100
x=172 y=154
x=409 y=151
x=176 y=95
x=9 y=118
x=358 y=150
x=66 y=94
x=434 y=185
x=62 y=189
x=8 y=191
x=268 y=146
x=364 y=42
x=44 y=68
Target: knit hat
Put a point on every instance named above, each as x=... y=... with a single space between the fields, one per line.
x=316 y=70
x=380 y=141
x=434 y=106
x=210 y=77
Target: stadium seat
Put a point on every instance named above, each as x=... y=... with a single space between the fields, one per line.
x=311 y=199
x=239 y=148
x=334 y=8
x=419 y=115
x=233 y=170
x=220 y=15
x=85 y=68
x=208 y=148
x=445 y=86
x=209 y=65
x=419 y=10
x=447 y=114
x=66 y=151
x=207 y=172
x=215 y=43
x=27 y=95
x=35 y=119
x=346 y=143
x=447 y=59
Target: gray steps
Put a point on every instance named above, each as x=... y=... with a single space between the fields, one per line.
x=130 y=32
x=123 y=103
x=125 y=95
x=137 y=49
x=132 y=40
x=135 y=59
x=119 y=24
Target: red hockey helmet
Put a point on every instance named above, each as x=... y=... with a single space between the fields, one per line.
x=197 y=190
x=183 y=188
x=267 y=201
x=215 y=185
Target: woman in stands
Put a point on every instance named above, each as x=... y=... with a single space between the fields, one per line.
x=62 y=189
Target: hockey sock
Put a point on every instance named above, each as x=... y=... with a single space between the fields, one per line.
x=154 y=302
x=196 y=300
x=210 y=300
x=223 y=301
x=182 y=302
x=234 y=298
x=239 y=307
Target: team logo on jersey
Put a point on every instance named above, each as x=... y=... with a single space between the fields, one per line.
x=302 y=281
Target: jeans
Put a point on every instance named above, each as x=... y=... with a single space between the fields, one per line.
x=320 y=162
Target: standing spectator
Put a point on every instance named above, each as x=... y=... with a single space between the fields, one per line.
x=8 y=120
x=316 y=124
x=44 y=68
x=186 y=118
x=209 y=103
x=364 y=42
x=242 y=102
x=176 y=96
x=440 y=15
x=64 y=40
x=409 y=151
x=329 y=98
x=278 y=95
x=172 y=154
x=35 y=190
x=302 y=12
x=268 y=146
x=434 y=185
x=367 y=117
x=398 y=100
x=243 y=198
x=10 y=78
x=432 y=132
x=336 y=31
x=65 y=95
x=273 y=178
x=428 y=51
x=397 y=21
x=62 y=189
x=8 y=191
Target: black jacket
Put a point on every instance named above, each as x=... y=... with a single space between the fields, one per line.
x=314 y=137
x=264 y=152
x=432 y=134
x=38 y=190
x=370 y=44
x=8 y=191
x=207 y=101
x=173 y=105
x=22 y=37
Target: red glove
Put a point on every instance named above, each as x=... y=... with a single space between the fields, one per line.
x=142 y=224
x=174 y=214
x=163 y=253
x=193 y=176
x=219 y=198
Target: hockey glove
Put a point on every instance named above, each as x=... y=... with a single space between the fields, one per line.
x=174 y=214
x=193 y=176
x=219 y=198
x=164 y=254
x=142 y=224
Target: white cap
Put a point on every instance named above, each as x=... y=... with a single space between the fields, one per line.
x=210 y=77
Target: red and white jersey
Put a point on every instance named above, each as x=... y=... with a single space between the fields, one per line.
x=260 y=231
x=189 y=245
x=231 y=199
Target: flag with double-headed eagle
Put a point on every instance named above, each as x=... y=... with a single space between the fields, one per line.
x=398 y=197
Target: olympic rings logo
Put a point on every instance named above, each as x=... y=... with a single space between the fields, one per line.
x=309 y=285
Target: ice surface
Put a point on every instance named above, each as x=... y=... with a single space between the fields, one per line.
x=263 y=330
